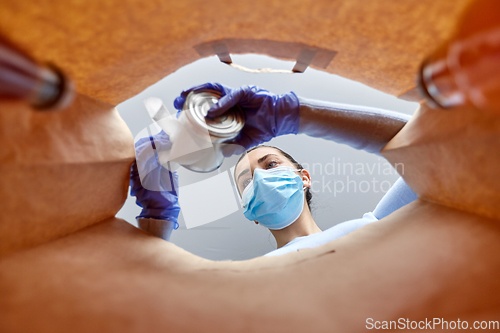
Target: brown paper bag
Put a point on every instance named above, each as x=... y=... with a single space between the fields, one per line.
x=60 y=171
x=451 y=157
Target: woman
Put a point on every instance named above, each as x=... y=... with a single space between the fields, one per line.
x=273 y=186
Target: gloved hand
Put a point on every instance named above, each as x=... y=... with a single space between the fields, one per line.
x=266 y=115
x=154 y=186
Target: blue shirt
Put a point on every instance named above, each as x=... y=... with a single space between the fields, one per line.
x=320 y=238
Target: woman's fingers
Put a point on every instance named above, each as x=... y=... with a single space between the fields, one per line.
x=232 y=97
x=179 y=102
x=224 y=104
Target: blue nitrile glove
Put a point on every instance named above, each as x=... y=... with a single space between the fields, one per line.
x=266 y=115
x=153 y=185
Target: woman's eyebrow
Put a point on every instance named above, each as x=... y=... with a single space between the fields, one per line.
x=263 y=158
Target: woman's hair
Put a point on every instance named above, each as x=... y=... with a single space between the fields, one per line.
x=292 y=160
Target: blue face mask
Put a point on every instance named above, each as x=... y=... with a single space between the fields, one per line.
x=274 y=197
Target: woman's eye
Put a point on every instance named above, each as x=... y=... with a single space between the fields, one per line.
x=272 y=164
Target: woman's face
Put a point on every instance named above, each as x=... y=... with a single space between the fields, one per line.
x=260 y=158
